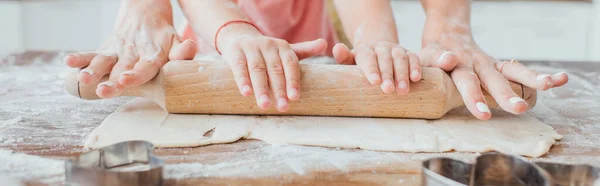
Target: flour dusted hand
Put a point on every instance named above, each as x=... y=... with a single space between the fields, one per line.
x=143 y=40
x=448 y=44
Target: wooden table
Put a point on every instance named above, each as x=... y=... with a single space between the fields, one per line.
x=37 y=117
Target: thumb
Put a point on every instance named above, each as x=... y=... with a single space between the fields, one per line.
x=436 y=56
x=185 y=50
x=309 y=48
x=343 y=55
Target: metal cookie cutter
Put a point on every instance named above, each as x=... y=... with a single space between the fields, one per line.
x=499 y=169
x=125 y=163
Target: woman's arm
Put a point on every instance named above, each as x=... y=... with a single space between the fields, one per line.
x=372 y=31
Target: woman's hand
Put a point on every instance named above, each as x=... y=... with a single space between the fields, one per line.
x=143 y=40
x=265 y=66
x=384 y=63
x=449 y=45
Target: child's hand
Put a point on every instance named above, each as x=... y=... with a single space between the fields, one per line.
x=266 y=66
x=449 y=45
x=384 y=63
x=143 y=40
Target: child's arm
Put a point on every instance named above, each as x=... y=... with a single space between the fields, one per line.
x=265 y=66
x=448 y=43
x=371 y=29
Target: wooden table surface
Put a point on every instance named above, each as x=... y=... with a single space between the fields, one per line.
x=37 y=117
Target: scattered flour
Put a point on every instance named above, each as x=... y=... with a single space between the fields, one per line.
x=7 y=123
x=276 y=160
x=27 y=167
x=57 y=123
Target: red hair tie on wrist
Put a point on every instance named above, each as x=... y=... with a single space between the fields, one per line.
x=228 y=23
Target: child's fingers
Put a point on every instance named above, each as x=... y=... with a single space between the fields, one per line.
x=435 y=56
x=183 y=51
x=386 y=68
x=401 y=66
x=415 y=67
x=257 y=69
x=343 y=55
x=239 y=66
x=470 y=90
x=275 y=73
x=79 y=59
x=309 y=48
x=499 y=88
x=291 y=69
x=101 y=65
x=366 y=59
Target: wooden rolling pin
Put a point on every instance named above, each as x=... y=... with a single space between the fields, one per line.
x=327 y=90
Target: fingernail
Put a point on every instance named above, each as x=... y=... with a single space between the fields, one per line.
x=402 y=84
x=88 y=71
x=515 y=100
x=541 y=77
x=282 y=103
x=482 y=107
x=443 y=55
x=373 y=78
x=264 y=100
x=127 y=73
x=246 y=89
x=414 y=74
x=387 y=84
x=107 y=83
x=293 y=93
x=68 y=56
x=560 y=73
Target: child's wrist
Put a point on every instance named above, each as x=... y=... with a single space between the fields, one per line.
x=232 y=31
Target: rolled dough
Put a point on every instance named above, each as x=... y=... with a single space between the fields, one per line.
x=142 y=119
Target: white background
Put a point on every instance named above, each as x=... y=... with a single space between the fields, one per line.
x=566 y=31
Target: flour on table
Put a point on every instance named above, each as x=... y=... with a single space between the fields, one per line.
x=17 y=166
x=142 y=119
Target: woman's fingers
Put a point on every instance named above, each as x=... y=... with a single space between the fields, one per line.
x=499 y=88
x=517 y=72
x=436 y=56
x=560 y=79
x=100 y=65
x=79 y=59
x=367 y=61
x=468 y=85
x=112 y=87
x=343 y=55
x=275 y=71
x=401 y=66
x=386 y=68
x=257 y=69
x=150 y=61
